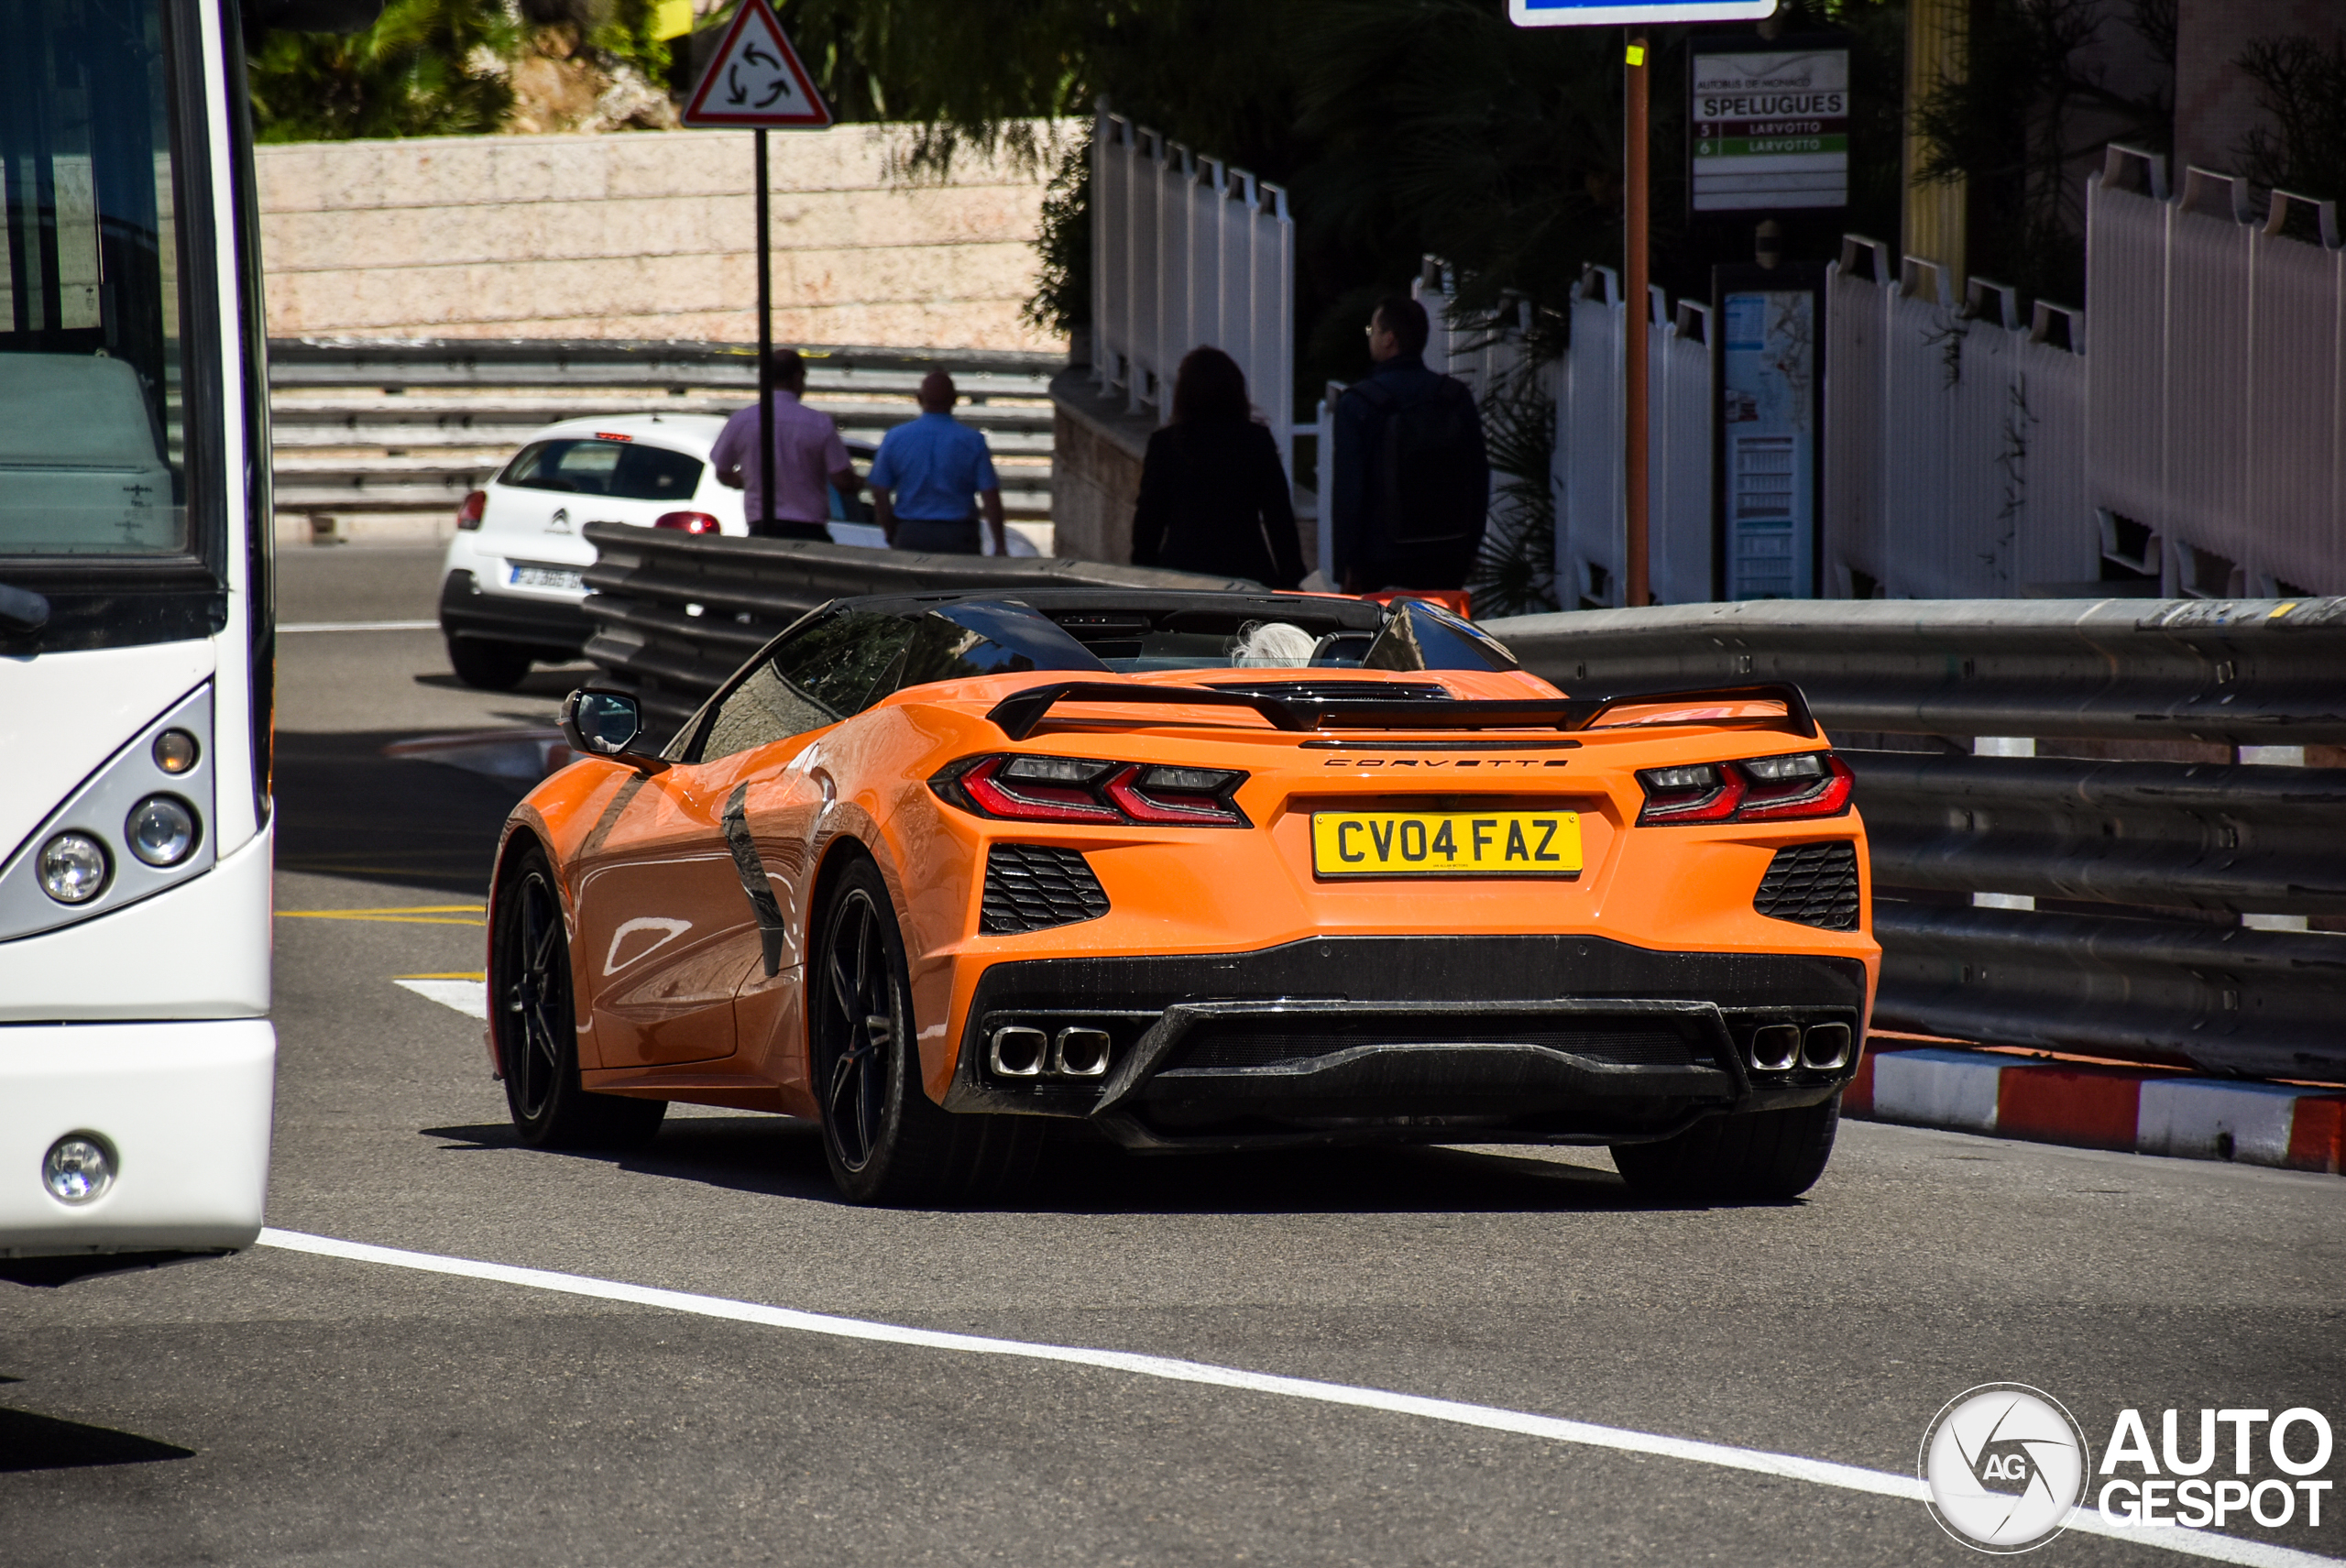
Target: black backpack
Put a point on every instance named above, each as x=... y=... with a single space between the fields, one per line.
x=1424 y=486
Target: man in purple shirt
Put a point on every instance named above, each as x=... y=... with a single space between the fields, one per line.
x=808 y=453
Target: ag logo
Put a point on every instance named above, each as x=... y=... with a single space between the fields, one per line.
x=2005 y=1464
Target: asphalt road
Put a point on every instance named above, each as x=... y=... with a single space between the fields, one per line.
x=284 y=1407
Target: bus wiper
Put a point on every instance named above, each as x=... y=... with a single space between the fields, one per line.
x=22 y=609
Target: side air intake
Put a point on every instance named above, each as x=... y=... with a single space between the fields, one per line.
x=1814 y=884
x=1033 y=887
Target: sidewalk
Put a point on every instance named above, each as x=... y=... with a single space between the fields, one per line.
x=2086 y=1104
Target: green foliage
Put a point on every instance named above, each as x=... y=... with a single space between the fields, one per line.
x=623 y=35
x=1062 y=298
x=1400 y=127
x=2303 y=87
x=425 y=68
x=2034 y=101
x=1436 y=126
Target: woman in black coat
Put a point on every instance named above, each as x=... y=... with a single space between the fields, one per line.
x=1213 y=493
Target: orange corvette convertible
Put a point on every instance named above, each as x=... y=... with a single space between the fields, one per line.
x=1187 y=871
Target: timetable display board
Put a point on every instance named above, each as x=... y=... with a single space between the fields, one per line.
x=1767 y=490
x=1770 y=128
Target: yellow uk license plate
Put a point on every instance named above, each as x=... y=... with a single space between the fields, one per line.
x=1446 y=843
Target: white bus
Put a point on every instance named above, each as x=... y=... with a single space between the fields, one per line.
x=138 y=1064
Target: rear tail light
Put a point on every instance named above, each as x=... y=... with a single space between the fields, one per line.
x=1757 y=789
x=1081 y=790
x=688 y=522
x=470 y=510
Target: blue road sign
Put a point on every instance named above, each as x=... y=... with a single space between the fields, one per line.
x=1616 y=13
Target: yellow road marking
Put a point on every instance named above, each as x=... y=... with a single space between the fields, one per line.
x=405 y=914
x=451 y=974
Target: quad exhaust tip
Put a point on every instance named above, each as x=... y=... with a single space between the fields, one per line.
x=1775 y=1047
x=1080 y=1053
x=1019 y=1052
x=1779 y=1048
x=1825 y=1046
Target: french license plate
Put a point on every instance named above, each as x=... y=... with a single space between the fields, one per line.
x=1446 y=843
x=528 y=575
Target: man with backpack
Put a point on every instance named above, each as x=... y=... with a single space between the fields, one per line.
x=1412 y=484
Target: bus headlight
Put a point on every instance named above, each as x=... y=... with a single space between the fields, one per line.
x=161 y=830
x=73 y=867
x=175 y=751
x=78 y=1167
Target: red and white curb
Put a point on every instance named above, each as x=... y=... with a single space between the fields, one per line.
x=2091 y=1107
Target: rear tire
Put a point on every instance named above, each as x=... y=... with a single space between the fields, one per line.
x=487 y=665
x=1765 y=1157
x=885 y=1140
x=537 y=1035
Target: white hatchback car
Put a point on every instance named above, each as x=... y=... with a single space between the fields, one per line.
x=512 y=580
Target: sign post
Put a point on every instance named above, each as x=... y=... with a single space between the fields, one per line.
x=755 y=81
x=1637 y=98
x=1636 y=248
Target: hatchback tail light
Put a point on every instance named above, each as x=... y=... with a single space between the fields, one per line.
x=1080 y=790
x=471 y=510
x=688 y=522
x=1756 y=789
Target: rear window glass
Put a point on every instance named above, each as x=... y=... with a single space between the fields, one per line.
x=956 y=642
x=1414 y=636
x=629 y=471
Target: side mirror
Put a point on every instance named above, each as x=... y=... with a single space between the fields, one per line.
x=601 y=723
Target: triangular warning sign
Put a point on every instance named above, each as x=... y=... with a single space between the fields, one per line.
x=755 y=79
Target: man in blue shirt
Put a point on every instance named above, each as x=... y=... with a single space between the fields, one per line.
x=929 y=475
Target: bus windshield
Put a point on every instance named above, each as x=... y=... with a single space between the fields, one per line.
x=93 y=422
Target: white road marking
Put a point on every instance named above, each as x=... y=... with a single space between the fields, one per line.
x=361 y=626
x=1791 y=1467
x=469 y=997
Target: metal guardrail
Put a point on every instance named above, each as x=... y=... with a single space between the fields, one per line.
x=2254 y=673
x=369 y=426
x=674 y=615
x=2151 y=841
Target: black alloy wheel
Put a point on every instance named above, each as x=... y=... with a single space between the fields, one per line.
x=530 y=1009
x=885 y=1140
x=865 y=1017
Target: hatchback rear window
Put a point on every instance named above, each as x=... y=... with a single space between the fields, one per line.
x=629 y=471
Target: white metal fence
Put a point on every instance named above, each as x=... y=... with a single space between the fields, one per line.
x=2218 y=395
x=2200 y=438
x=1954 y=437
x=1968 y=453
x=1592 y=507
x=1187 y=251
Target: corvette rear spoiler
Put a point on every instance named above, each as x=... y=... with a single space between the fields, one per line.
x=1018 y=714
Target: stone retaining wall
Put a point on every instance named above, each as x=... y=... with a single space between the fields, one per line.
x=645 y=235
